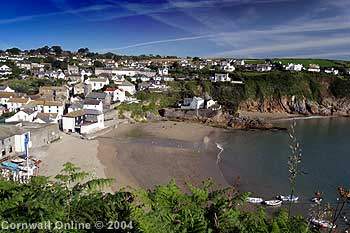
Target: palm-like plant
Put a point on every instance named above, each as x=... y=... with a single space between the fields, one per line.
x=293 y=161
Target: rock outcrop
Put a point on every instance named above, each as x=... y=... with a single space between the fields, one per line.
x=302 y=106
x=216 y=118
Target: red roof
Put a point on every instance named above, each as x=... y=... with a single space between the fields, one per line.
x=109 y=89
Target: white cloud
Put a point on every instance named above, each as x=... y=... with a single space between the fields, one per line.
x=91 y=8
x=286 y=47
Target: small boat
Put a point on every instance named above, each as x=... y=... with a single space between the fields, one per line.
x=317 y=200
x=288 y=198
x=323 y=223
x=18 y=160
x=273 y=202
x=255 y=200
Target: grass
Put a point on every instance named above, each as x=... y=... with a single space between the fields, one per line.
x=254 y=61
x=307 y=62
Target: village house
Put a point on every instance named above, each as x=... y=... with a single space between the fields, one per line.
x=143 y=86
x=192 y=103
x=167 y=79
x=5 y=96
x=83 y=121
x=128 y=87
x=314 y=68
x=6 y=89
x=22 y=115
x=73 y=70
x=118 y=79
x=97 y=83
x=163 y=71
x=294 y=67
x=104 y=97
x=5 y=70
x=158 y=87
x=78 y=89
x=331 y=71
x=54 y=93
x=116 y=94
x=12 y=140
x=46 y=118
x=221 y=78
x=75 y=107
x=25 y=66
x=93 y=104
x=15 y=104
x=49 y=107
x=263 y=67
x=228 y=67
x=55 y=107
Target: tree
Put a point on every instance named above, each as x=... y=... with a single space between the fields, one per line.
x=57 y=49
x=14 y=51
x=83 y=50
x=98 y=64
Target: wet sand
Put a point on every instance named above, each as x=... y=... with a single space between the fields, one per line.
x=148 y=154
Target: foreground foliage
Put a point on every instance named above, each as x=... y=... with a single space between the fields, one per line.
x=71 y=196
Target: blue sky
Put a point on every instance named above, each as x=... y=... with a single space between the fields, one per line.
x=208 y=28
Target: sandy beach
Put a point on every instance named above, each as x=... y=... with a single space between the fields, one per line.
x=145 y=155
x=82 y=153
x=140 y=155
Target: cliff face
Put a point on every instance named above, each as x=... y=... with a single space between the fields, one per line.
x=328 y=106
x=216 y=118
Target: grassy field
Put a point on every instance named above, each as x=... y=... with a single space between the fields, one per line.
x=320 y=62
x=254 y=61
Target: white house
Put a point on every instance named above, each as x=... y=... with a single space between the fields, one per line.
x=55 y=107
x=93 y=104
x=221 y=78
x=83 y=121
x=163 y=71
x=117 y=94
x=331 y=71
x=23 y=115
x=46 y=118
x=118 y=79
x=193 y=103
x=210 y=103
x=97 y=83
x=314 y=68
x=5 y=70
x=14 y=104
x=128 y=87
x=228 y=67
x=61 y=75
x=263 y=67
x=294 y=67
x=6 y=89
x=72 y=69
x=167 y=79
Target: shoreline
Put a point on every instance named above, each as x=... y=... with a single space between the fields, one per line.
x=145 y=155
x=278 y=117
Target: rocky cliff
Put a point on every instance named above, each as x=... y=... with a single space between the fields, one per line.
x=216 y=118
x=329 y=106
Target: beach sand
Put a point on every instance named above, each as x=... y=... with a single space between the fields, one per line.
x=140 y=155
x=148 y=154
x=82 y=153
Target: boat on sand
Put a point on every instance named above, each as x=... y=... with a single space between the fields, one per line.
x=288 y=198
x=255 y=200
x=322 y=223
x=273 y=202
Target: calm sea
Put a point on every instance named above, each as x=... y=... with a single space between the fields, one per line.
x=259 y=159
